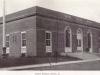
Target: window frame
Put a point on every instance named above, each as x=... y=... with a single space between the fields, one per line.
x=7 y=35
x=79 y=40
x=68 y=45
x=50 y=37
x=7 y=48
x=48 y=48
x=79 y=43
x=22 y=39
x=89 y=39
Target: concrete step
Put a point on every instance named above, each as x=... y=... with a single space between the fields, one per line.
x=82 y=55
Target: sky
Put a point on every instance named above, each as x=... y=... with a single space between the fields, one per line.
x=88 y=9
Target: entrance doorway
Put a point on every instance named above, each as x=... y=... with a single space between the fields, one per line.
x=68 y=39
x=79 y=40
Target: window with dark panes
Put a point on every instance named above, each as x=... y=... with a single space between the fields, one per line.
x=79 y=35
x=99 y=42
x=23 y=39
x=7 y=41
x=89 y=40
x=48 y=38
x=79 y=43
x=79 y=31
x=67 y=37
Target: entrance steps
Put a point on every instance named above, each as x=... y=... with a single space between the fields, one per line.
x=82 y=55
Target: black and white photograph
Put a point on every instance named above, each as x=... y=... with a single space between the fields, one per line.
x=49 y=35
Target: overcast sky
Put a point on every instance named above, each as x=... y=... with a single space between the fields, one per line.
x=89 y=9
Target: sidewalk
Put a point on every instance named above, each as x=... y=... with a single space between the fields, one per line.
x=47 y=64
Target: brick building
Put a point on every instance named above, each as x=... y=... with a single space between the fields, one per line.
x=38 y=32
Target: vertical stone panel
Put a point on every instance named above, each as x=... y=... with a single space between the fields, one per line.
x=15 y=44
x=61 y=46
x=54 y=42
x=74 y=37
x=95 y=36
x=74 y=43
x=31 y=43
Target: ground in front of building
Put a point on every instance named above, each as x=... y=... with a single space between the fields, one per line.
x=11 y=62
x=93 y=65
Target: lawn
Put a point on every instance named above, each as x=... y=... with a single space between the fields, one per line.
x=84 y=66
x=9 y=62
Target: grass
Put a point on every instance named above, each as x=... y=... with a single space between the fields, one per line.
x=10 y=62
x=83 y=66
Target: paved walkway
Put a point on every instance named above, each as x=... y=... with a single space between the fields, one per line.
x=47 y=64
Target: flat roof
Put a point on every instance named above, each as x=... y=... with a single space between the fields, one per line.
x=40 y=11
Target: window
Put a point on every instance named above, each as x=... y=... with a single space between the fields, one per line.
x=89 y=40
x=7 y=40
x=23 y=42
x=23 y=38
x=7 y=43
x=48 y=40
x=79 y=31
x=67 y=37
x=78 y=43
x=99 y=42
x=79 y=37
x=79 y=40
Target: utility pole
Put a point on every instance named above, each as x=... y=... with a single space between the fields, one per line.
x=4 y=35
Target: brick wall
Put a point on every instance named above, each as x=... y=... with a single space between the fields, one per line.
x=47 y=20
x=15 y=28
x=50 y=24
